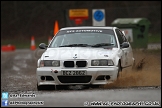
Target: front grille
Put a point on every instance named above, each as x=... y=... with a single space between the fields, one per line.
x=81 y=63
x=69 y=63
x=75 y=79
x=72 y=63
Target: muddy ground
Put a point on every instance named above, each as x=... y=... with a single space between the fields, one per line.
x=18 y=70
x=147 y=71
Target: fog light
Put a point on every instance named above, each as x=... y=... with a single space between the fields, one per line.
x=42 y=77
x=107 y=77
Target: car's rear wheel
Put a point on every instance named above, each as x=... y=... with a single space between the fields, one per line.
x=134 y=64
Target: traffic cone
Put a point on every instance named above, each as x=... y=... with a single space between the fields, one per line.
x=32 y=47
x=49 y=39
x=56 y=28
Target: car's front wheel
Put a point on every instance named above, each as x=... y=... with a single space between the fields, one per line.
x=39 y=87
x=45 y=87
x=119 y=69
x=61 y=87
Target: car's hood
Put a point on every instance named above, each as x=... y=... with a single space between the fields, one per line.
x=64 y=53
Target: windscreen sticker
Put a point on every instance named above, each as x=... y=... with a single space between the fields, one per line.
x=76 y=31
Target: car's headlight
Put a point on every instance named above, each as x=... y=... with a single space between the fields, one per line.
x=102 y=62
x=110 y=63
x=95 y=63
x=55 y=63
x=48 y=63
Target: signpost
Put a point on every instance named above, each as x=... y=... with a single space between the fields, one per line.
x=78 y=15
x=98 y=16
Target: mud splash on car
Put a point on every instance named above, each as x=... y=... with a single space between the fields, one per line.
x=147 y=71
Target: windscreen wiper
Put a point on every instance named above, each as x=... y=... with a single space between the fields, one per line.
x=75 y=45
x=102 y=44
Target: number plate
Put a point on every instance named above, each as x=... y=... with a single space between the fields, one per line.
x=74 y=73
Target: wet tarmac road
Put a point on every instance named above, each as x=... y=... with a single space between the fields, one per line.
x=18 y=76
x=150 y=96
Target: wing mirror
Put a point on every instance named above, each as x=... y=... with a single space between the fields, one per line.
x=43 y=46
x=124 y=45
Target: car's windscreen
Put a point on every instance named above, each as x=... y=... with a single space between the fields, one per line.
x=92 y=38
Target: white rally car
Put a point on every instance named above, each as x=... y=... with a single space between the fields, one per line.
x=84 y=56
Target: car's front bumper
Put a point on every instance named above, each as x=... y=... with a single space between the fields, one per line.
x=94 y=76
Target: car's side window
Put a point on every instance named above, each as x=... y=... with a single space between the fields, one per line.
x=120 y=37
x=124 y=38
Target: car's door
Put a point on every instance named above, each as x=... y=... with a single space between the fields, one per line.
x=129 y=56
x=127 y=52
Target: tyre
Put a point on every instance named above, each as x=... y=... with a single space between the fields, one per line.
x=119 y=69
x=39 y=87
x=45 y=87
x=61 y=87
x=134 y=65
x=95 y=86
